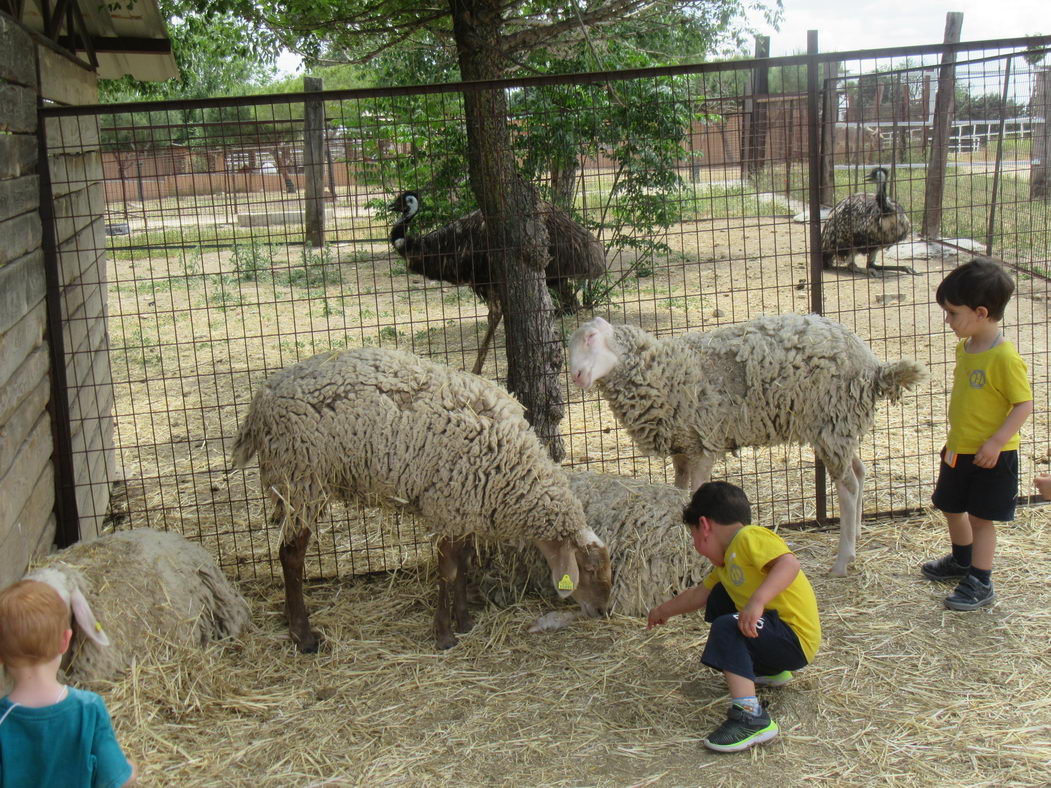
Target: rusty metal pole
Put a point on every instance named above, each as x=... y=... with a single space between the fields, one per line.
x=816 y=269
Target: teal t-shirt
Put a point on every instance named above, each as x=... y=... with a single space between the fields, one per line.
x=70 y=744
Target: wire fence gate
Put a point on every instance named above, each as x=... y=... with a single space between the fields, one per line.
x=233 y=237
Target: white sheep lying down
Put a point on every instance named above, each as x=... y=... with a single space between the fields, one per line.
x=387 y=428
x=772 y=380
x=139 y=590
x=651 y=551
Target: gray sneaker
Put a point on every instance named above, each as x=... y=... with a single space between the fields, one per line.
x=971 y=594
x=944 y=568
x=741 y=730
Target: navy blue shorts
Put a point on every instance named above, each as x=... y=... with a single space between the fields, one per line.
x=777 y=647
x=987 y=493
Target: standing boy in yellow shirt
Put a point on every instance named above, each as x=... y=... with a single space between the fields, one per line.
x=990 y=401
x=760 y=604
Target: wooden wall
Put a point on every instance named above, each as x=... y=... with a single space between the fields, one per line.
x=27 y=461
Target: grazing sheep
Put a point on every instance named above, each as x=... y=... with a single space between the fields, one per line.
x=650 y=550
x=773 y=380
x=390 y=429
x=150 y=589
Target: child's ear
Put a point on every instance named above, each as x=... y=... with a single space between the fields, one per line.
x=981 y=313
x=67 y=636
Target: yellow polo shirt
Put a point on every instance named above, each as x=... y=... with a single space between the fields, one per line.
x=751 y=549
x=985 y=387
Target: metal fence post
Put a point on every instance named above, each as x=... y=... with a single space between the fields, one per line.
x=816 y=295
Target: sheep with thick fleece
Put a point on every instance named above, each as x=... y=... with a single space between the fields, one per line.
x=772 y=380
x=136 y=591
x=387 y=428
x=651 y=551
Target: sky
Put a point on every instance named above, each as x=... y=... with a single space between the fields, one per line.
x=867 y=24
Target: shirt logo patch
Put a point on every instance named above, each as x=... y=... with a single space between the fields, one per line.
x=736 y=575
x=977 y=379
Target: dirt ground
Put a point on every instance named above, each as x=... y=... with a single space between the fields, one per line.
x=902 y=692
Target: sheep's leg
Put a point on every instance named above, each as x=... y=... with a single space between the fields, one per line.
x=452 y=602
x=293 y=555
x=495 y=316
x=692 y=472
x=849 y=490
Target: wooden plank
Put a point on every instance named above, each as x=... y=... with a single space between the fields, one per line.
x=21 y=339
x=65 y=82
x=32 y=534
x=21 y=235
x=67 y=135
x=16 y=56
x=22 y=287
x=18 y=155
x=17 y=484
x=82 y=253
x=15 y=430
x=1040 y=106
x=70 y=173
x=95 y=396
x=29 y=373
x=77 y=210
x=19 y=195
x=17 y=109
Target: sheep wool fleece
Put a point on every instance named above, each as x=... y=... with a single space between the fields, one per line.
x=775 y=379
x=391 y=429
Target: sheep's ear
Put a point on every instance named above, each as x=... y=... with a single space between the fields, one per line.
x=562 y=558
x=86 y=619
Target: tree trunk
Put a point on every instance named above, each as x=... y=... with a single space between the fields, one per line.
x=517 y=234
x=563 y=183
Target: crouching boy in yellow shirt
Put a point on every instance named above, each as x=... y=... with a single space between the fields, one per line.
x=760 y=604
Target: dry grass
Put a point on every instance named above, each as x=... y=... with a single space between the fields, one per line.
x=902 y=691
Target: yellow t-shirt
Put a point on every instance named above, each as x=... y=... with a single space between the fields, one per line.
x=751 y=549
x=985 y=387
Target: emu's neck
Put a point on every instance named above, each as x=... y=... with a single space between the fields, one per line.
x=398 y=238
x=881 y=197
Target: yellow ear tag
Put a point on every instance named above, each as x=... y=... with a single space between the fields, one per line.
x=565 y=584
x=98 y=627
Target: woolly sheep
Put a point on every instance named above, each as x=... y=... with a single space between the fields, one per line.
x=772 y=380
x=150 y=589
x=650 y=550
x=390 y=429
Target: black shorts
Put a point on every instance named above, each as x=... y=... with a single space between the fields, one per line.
x=986 y=493
x=777 y=647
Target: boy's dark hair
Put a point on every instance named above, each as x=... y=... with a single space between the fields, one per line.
x=978 y=282
x=33 y=618
x=720 y=501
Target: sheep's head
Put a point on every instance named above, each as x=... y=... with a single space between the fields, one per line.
x=71 y=594
x=590 y=355
x=581 y=569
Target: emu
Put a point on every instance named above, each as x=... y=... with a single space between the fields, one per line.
x=458 y=253
x=865 y=223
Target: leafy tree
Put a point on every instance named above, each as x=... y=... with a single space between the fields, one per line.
x=491 y=39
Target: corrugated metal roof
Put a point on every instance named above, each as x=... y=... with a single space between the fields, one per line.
x=129 y=41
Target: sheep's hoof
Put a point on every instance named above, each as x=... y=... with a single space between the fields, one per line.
x=446 y=642
x=309 y=644
x=838 y=571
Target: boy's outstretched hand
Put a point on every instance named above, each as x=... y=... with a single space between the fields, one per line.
x=656 y=617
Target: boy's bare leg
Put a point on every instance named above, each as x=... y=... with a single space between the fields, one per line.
x=984 y=539
x=739 y=686
x=960 y=527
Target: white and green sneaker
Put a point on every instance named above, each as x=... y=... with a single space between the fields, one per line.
x=741 y=730
x=775 y=680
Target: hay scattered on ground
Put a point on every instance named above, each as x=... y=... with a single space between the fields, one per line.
x=902 y=692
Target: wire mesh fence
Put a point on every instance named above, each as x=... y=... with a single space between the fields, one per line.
x=242 y=235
